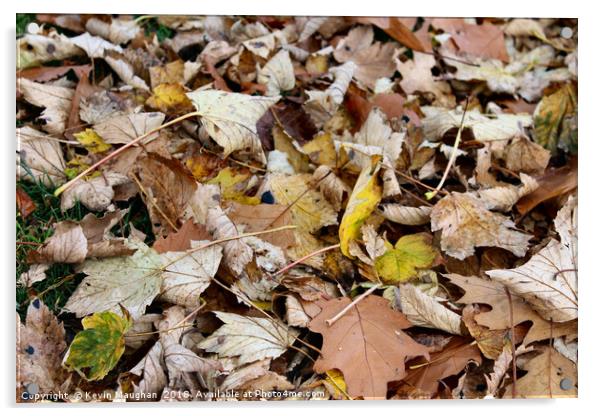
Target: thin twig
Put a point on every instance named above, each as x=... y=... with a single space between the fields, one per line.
x=514 y=376
x=351 y=305
x=110 y=156
x=452 y=158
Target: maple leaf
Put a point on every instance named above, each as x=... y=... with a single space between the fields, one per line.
x=248 y=338
x=97 y=349
x=548 y=281
x=366 y=344
x=169 y=98
x=123 y=129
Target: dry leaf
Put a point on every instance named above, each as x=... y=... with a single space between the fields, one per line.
x=237 y=254
x=548 y=281
x=406 y=215
x=126 y=73
x=366 y=344
x=417 y=77
x=118 y=31
x=33 y=49
x=40 y=158
x=55 y=100
x=68 y=244
x=96 y=194
x=278 y=74
x=94 y=46
x=125 y=128
x=466 y=224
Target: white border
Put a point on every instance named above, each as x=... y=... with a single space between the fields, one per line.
x=590 y=207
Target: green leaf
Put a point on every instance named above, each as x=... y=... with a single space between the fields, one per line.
x=97 y=349
x=411 y=252
x=555 y=120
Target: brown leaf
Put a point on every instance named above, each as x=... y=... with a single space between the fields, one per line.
x=549 y=375
x=478 y=290
x=554 y=182
x=168 y=187
x=67 y=245
x=423 y=380
x=523 y=155
x=490 y=342
x=366 y=344
x=395 y=27
x=262 y=217
x=25 y=205
x=83 y=90
x=485 y=40
x=295 y=121
x=40 y=346
x=237 y=253
x=180 y=240
x=48 y=73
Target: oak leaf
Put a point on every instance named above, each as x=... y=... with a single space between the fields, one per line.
x=366 y=344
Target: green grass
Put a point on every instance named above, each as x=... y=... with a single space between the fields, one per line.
x=23 y=19
x=162 y=31
x=38 y=226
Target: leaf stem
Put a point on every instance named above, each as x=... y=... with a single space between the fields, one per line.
x=351 y=305
x=302 y=259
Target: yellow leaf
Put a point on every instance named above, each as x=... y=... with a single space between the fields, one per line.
x=284 y=143
x=92 y=141
x=399 y=263
x=335 y=383
x=364 y=198
x=97 y=349
x=169 y=98
x=321 y=150
x=233 y=185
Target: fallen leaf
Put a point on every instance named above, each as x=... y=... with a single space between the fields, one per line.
x=233 y=185
x=169 y=98
x=424 y=310
x=366 y=344
x=548 y=281
x=503 y=198
x=485 y=40
x=400 y=263
x=34 y=49
x=555 y=120
x=262 y=217
x=96 y=194
x=131 y=281
x=231 y=119
x=333 y=188
x=549 y=375
x=181 y=239
x=94 y=46
x=418 y=77
x=122 y=129
x=278 y=74
x=118 y=31
x=397 y=29
x=40 y=346
x=40 y=158
x=406 y=215
x=248 y=338
x=56 y=102
x=490 y=341
x=479 y=290
x=68 y=244
x=466 y=224
x=170 y=73
x=126 y=73
x=237 y=253
x=151 y=373
x=365 y=197
x=92 y=141
x=25 y=204
x=97 y=349
x=523 y=155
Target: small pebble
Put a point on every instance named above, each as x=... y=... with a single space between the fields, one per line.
x=566 y=32
x=566 y=384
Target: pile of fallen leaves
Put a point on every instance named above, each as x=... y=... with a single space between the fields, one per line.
x=330 y=207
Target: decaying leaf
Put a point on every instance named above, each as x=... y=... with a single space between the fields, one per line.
x=556 y=120
x=400 y=263
x=55 y=100
x=406 y=215
x=123 y=129
x=40 y=158
x=366 y=344
x=278 y=74
x=237 y=253
x=95 y=194
x=465 y=223
x=250 y=339
x=97 y=349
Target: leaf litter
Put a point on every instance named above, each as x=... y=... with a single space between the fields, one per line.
x=326 y=207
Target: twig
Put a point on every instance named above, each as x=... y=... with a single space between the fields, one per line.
x=302 y=259
x=351 y=305
x=110 y=156
x=452 y=158
x=514 y=376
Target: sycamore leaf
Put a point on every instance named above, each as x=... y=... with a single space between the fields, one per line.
x=250 y=339
x=364 y=198
x=263 y=216
x=231 y=119
x=40 y=157
x=132 y=282
x=466 y=224
x=424 y=310
x=400 y=263
x=55 y=100
x=40 y=346
x=366 y=344
x=418 y=77
x=36 y=273
x=549 y=375
x=555 y=120
x=97 y=349
x=96 y=194
x=278 y=74
x=68 y=244
x=92 y=141
x=169 y=98
x=94 y=46
x=548 y=281
x=122 y=129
